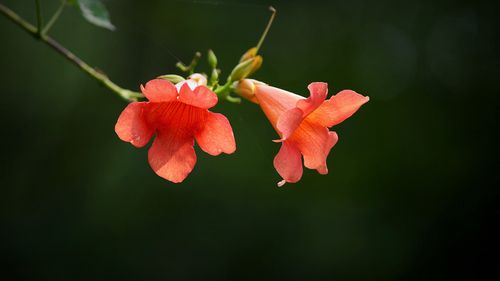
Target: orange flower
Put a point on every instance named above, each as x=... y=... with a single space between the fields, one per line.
x=178 y=115
x=302 y=123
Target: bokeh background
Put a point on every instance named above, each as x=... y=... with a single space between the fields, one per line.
x=411 y=192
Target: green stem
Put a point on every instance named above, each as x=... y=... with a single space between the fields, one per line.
x=189 y=69
x=92 y=72
x=224 y=92
x=38 y=18
x=54 y=18
x=269 y=23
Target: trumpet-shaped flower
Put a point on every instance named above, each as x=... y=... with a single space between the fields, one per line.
x=178 y=115
x=302 y=123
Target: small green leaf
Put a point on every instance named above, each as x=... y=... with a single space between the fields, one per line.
x=96 y=13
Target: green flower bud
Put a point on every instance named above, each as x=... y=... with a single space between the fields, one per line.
x=251 y=53
x=212 y=59
x=172 y=78
x=245 y=68
x=214 y=77
x=257 y=63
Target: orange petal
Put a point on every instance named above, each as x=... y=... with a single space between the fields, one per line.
x=338 y=108
x=172 y=156
x=132 y=126
x=201 y=97
x=159 y=90
x=216 y=136
x=318 y=92
x=290 y=120
x=288 y=163
x=332 y=140
x=314 y=142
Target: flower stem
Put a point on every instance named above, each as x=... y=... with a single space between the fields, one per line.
x=224 y=92
x=54 y=18
x=60 y=49
x=189 y=69
x=269 y=23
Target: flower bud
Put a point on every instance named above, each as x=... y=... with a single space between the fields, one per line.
x=200 y=79
x=242 y=70
x=252 y=52
x=245 y=68
x=214 y=77
x=172 y=78
x=212 y=59
x=257 y=63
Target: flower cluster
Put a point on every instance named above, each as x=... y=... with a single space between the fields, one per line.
x=178 y=114
x=176 y=111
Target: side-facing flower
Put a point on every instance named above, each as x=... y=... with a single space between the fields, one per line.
x=302 y=123
x=177 y=114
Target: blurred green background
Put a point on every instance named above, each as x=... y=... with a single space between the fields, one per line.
x=410 y=194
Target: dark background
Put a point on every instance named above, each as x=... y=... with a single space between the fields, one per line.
x=411 y=192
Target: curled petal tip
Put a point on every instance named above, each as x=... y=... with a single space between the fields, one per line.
x=281 y=183
x=322 y=170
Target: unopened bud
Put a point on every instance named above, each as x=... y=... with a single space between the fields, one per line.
x=242 y=70
x=251 y=53
x=214 y=76
x=257 y=63
x=246 y=68
x=200 y=79
x=172 y=78
x=212 y=59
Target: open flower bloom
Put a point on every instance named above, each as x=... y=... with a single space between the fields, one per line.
x=302 y=123
x=178 y=114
